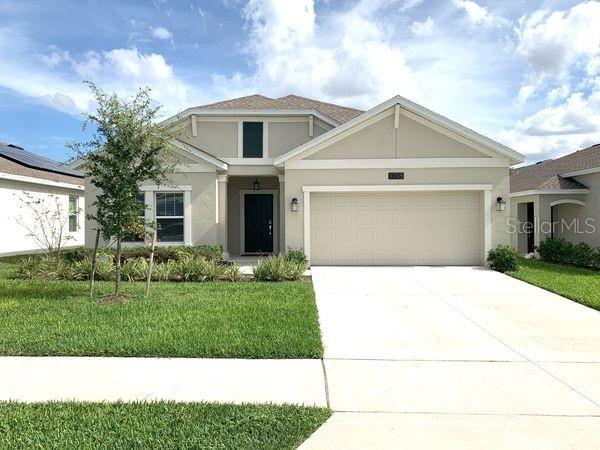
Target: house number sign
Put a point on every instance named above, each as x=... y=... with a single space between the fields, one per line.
x=395 y=175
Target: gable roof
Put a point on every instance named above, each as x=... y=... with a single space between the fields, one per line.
x=553 y=174
x=339 y=113
x=28 y=159
x=419 y=110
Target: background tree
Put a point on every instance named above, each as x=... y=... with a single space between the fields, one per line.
x=45 y=221
x=127 y=147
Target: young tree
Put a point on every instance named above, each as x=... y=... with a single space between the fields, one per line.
x=45 y=221
x=127 y=147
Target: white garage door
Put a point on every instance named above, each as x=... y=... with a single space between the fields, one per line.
x=429 y=228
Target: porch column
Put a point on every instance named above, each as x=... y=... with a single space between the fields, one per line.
x=282 y=211
x=222 y=214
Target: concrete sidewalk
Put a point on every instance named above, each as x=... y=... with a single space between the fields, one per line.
x=35 y=379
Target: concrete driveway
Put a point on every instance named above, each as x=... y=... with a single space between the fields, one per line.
x=455 y=357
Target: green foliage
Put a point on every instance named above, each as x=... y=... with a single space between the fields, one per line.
x=213 y=270
x=156 y=425
x=161 y=254
x=164 y=271
x=45 y=267
x=503 y=258
x=82 y=270
x=296 y=255
x=134 y=269
x=232 y=273
x=560 y=251
x=278 y=268
x=578 y=284
x=128 y=146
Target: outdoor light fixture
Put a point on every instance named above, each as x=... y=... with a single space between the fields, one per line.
x=256 y=185
x=294 y=204
x=500 y=204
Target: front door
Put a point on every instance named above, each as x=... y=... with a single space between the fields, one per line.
x=258 y=223
x=530 y=228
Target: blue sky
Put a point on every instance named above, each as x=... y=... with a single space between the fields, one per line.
x=524 y=73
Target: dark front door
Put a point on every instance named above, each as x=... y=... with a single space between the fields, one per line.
x=530 y=228
x=258 y=226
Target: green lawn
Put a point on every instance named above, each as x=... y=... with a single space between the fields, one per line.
x=581 y=285
x=156 y=425
x=211 y=319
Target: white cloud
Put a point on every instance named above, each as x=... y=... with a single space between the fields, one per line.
x=347 y=58
x=161 y=33
x=478 y=14
x=552 y=43
x=558 y=129
x=424 y=28
x=525 y=93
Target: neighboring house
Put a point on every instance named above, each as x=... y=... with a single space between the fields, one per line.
x=23 y=173
x=559 y=197
x=397 y=184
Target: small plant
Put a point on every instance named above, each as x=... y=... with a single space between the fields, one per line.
x=190 y=269
x=296 y=256
x=278 y=268
x=164 y=271
x=232 y=273
x=213 y=270
x=28 y=267
x=134 y=269
x=556 y=250
x=82 y=270
x=503 y=258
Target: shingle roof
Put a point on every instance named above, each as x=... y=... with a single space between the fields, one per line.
x=24 y=158
x=545 y=175
x=256 y=101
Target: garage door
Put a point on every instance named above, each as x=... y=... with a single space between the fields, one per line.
x=429 y=228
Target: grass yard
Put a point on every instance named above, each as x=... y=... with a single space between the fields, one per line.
x=580 y=285
x=156 y=425
x=210 y=319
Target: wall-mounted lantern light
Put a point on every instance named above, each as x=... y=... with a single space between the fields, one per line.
x=500 y=204
x=256 y=185
x=294 y=204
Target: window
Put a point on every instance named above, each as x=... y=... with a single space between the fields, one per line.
x=169 y=216
x=140 y=198
x=73 y=213
x=253 y=140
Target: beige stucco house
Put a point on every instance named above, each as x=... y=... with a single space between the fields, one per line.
x=557 y=198
x=397 y=184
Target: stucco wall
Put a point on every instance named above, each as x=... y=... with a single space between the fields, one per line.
x=220 y=138
x=410 y=140
x=295 y=179
x=14 y=237
x=202 y=200
x=589 y=212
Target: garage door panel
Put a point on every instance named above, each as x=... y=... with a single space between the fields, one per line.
x=436 y=228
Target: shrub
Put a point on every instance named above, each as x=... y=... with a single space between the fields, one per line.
x=74 y=254
x=44 y=267
x=278 y=268
x=582 y=255
x=135 y=269
x=296 y=256
x=163 y=271
x=28 y=267
x=232 y=273
x=82 y=270
x=212 y=270
x=503 y=258
x=556 y=251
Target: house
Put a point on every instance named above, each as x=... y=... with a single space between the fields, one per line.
x=397 y=184
x=559 y=198
x=25 y=176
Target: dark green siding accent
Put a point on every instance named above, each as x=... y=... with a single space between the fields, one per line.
x=253 y=140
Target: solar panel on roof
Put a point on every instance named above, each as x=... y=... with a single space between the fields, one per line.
x=25 y=158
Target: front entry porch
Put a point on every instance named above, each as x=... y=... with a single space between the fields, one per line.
x=250 y=215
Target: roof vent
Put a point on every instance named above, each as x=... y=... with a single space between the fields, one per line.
x=16 y=146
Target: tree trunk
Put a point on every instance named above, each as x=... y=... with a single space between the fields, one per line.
x=94 y=259
x=118 y=268
x=151 y=262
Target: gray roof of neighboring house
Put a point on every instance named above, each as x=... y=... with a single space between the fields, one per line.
x=24 y=158
x=256 y=101
x=545 y=175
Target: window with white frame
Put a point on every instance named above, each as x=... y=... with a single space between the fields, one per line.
x=169 y=216
x=73 y=213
